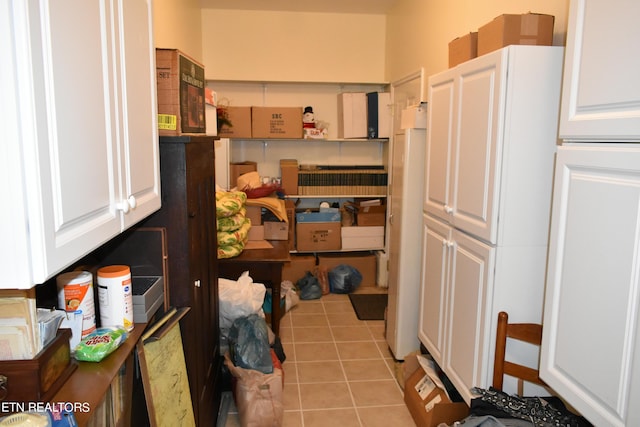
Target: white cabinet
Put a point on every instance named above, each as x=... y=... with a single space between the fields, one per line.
x=407 y=164
x=492 y=127
x=590 y=350
x=83 y=150
x=492 y=122
x=591 y=337
x=601 y=94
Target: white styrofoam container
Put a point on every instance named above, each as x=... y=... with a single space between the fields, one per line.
x=362 y=237
x=352 y=115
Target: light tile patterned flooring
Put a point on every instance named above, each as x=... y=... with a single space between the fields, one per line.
x=338 y=369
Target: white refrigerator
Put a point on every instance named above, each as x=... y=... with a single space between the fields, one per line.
x=405 y=216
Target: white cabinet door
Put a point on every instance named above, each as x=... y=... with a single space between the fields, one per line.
x=464 y=137
x=140 y=178
x=601 y=94
x=467 y=336
x=438 y=156
x=590 y=350
x=436 y=238
x=477 y=144
x=457 y=282
x=89 y=160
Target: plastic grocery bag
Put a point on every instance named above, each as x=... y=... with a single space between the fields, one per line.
x=249 y=344
x=239 y=299
x=309 y=287
x=344 y=279
x=258 y=396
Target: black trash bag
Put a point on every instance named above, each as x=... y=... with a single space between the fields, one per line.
x=309 y=287
x=249 y=344
x=344 y=279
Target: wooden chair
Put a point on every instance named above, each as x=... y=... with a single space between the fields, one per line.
x=527 y=332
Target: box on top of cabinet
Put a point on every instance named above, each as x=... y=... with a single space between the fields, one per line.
x=463 y=48
x=180 y=85
x=276 y=122
x=505 y=30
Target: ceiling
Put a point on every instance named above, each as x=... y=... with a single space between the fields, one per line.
x=374 y=7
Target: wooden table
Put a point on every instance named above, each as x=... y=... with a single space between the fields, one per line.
x=264 y=266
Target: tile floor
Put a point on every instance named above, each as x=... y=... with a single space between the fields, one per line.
x=338 y=369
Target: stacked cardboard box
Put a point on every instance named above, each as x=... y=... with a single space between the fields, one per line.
x=180 y=85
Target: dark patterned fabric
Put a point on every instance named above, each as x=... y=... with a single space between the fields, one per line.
x=538 y=410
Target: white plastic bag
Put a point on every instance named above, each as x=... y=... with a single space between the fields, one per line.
x=288 y=291
x=239 y=299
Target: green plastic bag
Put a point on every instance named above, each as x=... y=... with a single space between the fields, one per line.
x=100 y=343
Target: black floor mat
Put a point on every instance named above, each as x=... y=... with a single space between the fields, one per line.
x=369 y=306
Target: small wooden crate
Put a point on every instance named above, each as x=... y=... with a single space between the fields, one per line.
x=38 y=379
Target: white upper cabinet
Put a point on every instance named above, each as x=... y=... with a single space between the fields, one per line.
x=492 y=123
x=601 y=91
x=84 y=146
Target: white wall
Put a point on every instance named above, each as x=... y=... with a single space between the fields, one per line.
x=419 y=31
x=293 y=46
x=177 y=25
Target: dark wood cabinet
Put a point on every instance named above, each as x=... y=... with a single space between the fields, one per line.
x=189 y=215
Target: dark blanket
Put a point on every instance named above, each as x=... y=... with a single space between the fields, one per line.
x=540 y=411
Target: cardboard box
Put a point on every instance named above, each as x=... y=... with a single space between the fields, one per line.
x=371 y=215
x=318 y=236
x=240 y=118
x=290 y=209
x=323 y=215
x=240 y=168
x=254 y=213
x=505 y=30
x=463 y=49
x=364 y=262
x=429 y=405
x=352 y=115
x=276 y=122
x=180 y=85
x=276 y=230
x=289 y=176
x=295 y=269
x=256 y=232
x=362 y=238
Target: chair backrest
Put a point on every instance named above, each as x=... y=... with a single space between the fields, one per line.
x=527 y=332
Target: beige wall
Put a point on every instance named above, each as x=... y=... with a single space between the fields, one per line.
x=177 y=25
x=328 y=47
x=293 y=46
x=419 y=31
